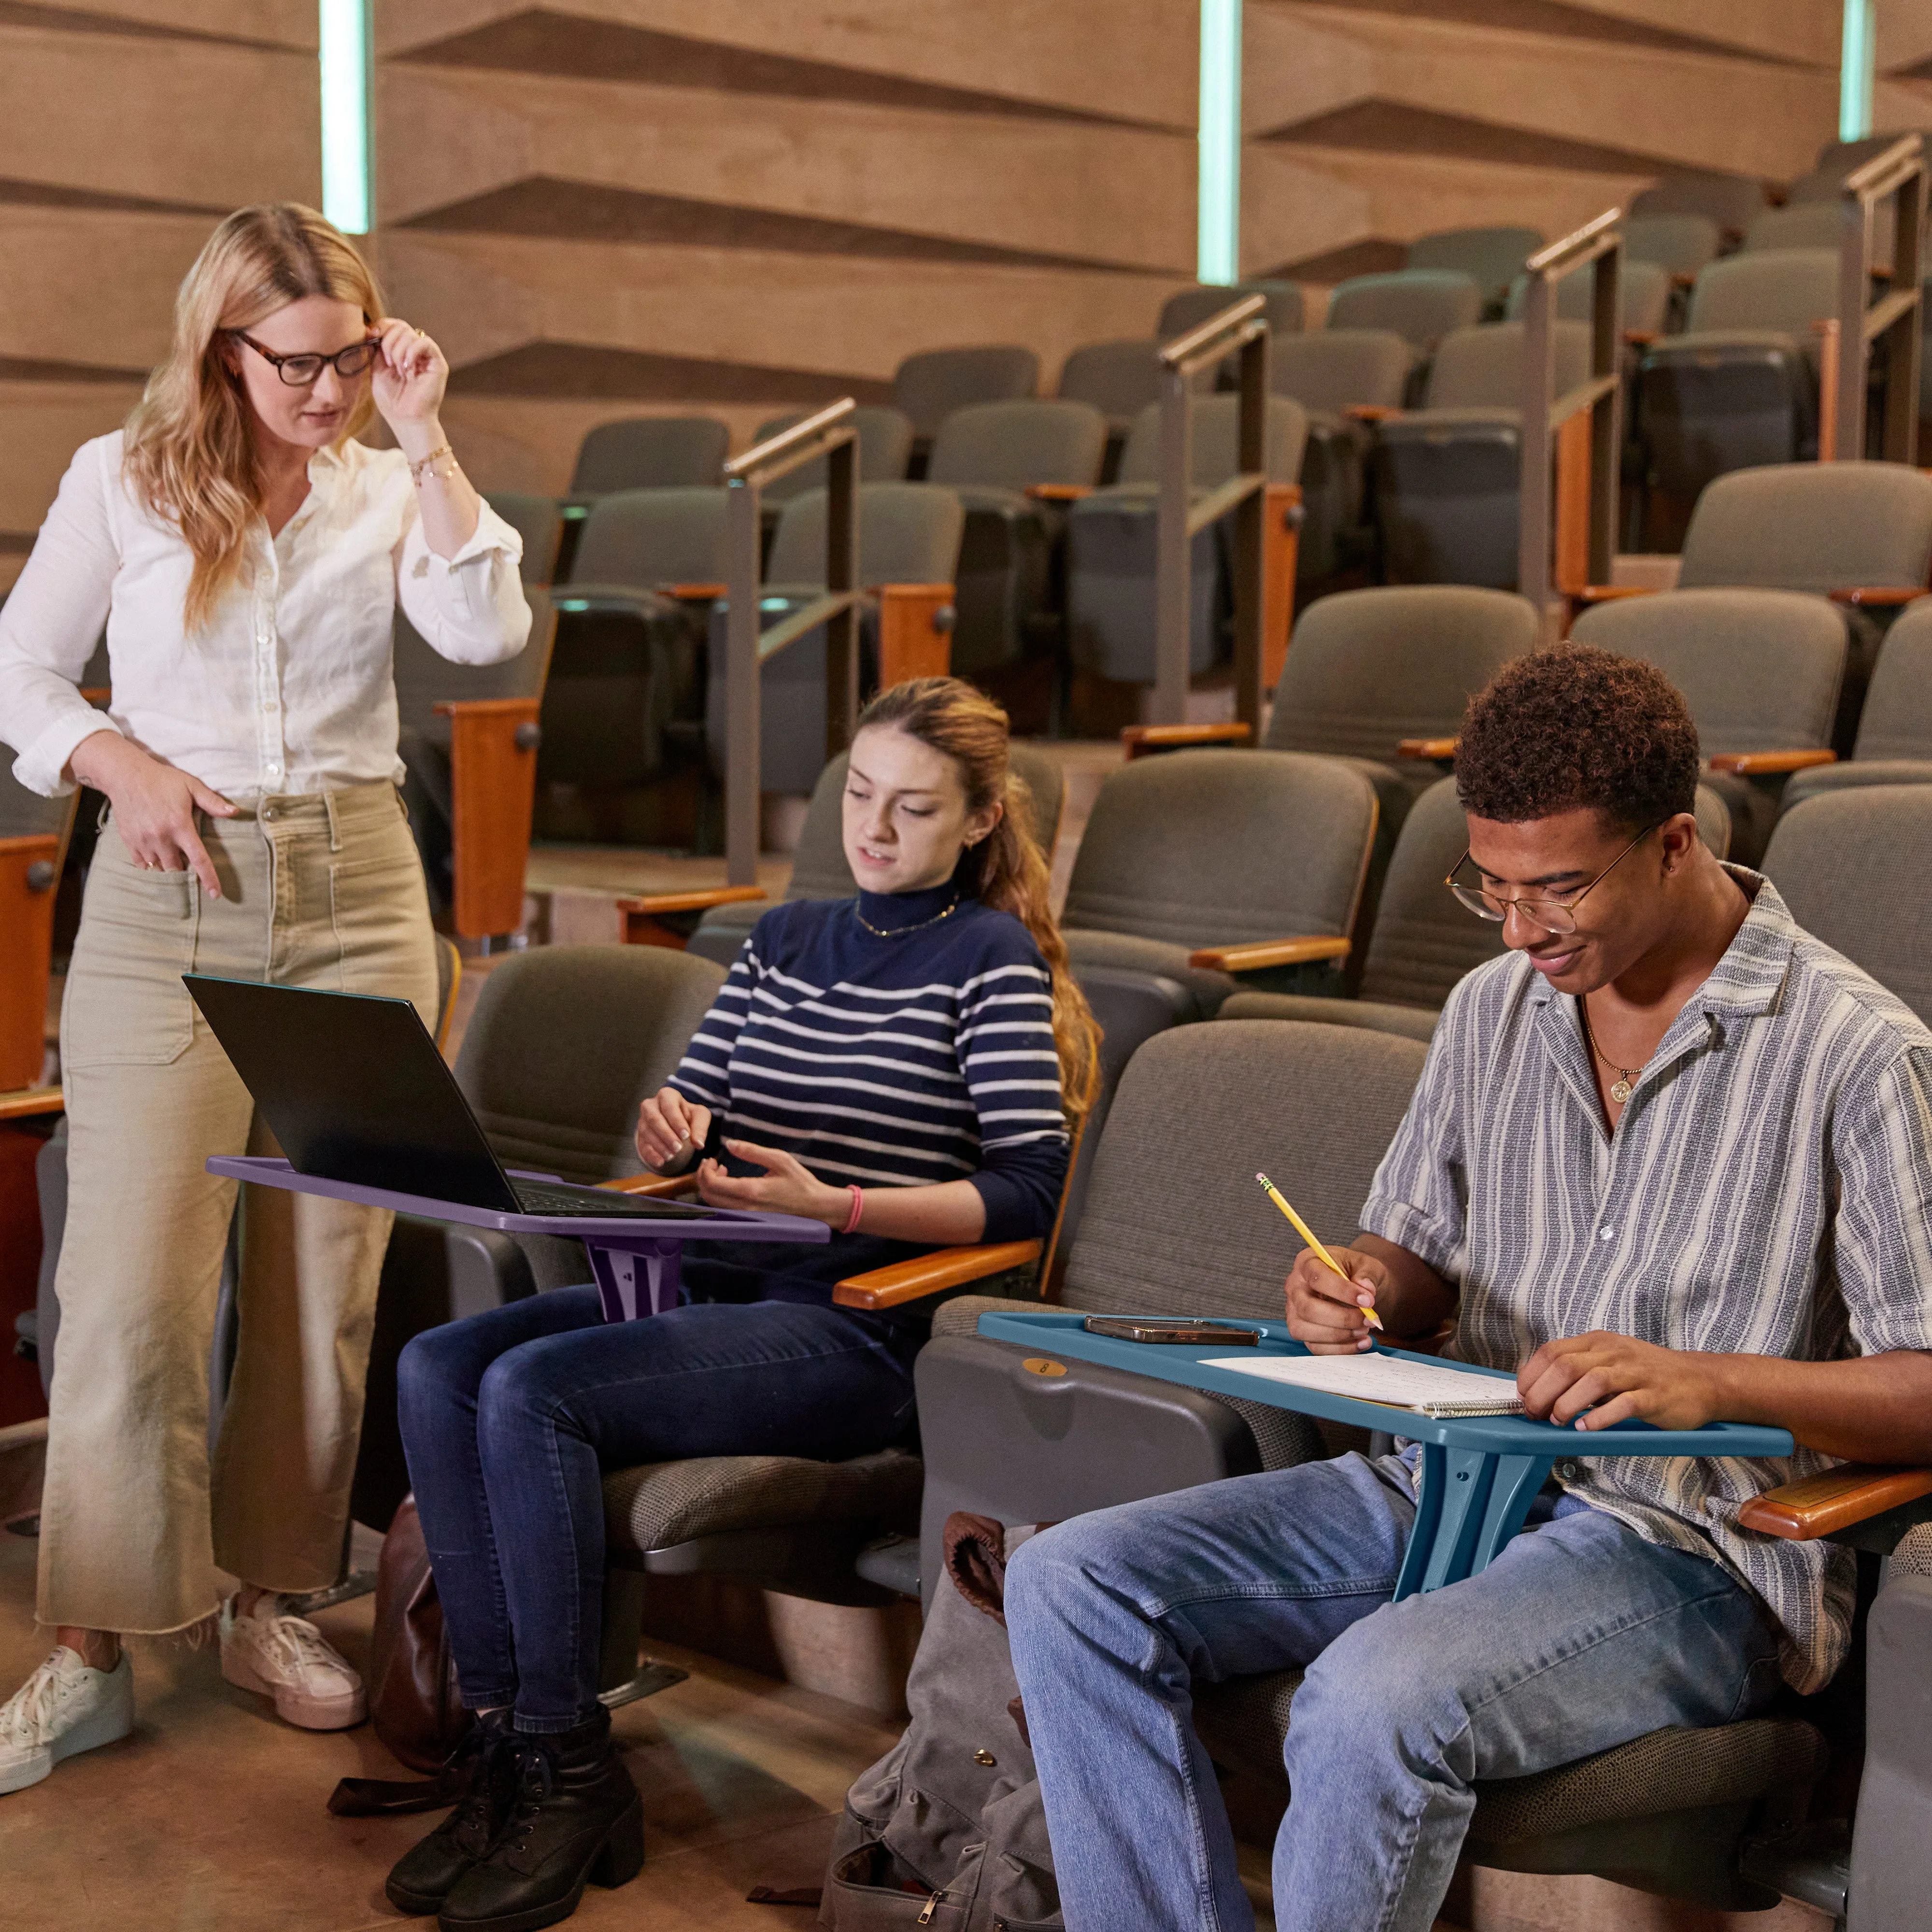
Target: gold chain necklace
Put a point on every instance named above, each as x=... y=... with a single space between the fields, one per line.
x=893 y=931
x=1620 y=1087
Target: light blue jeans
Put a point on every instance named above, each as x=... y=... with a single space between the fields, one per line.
x=1579 y=1636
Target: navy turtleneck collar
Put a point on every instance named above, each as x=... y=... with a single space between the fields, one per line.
x=899 y=912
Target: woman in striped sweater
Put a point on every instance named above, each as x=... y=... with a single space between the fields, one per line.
x=902 y=1067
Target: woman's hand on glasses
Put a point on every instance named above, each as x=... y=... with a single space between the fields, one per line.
x=411 y=374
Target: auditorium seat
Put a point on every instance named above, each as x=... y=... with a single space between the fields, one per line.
x=468 y=740
x=1421 y=305
x=33 y=835
x=1188 y=308
x=1644 y=297
x=1761 y=671
x=539 y=521
x=885 y=444
x=1739 y=387
x=1343 y=378
x=1492 y=257
x=1219 y=869
x=1679 y=244
x=1014 y=467
x=1424 y=939
x=909 y=536
x=929 y=386
x=1110 y=540
x=1729 y=200
x=631 y=627
x=650 y=453
x=819 y=870
x=1895 y=741
x=1448 y=475
x=1801 y=224
x=1120 y=379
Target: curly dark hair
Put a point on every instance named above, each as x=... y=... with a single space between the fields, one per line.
x=1577 y=726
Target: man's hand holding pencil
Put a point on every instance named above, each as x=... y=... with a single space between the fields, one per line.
x=1329 y=1311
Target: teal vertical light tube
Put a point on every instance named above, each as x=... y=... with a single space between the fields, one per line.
x=1218 y=200
x=346 y=197
x=1858 y=59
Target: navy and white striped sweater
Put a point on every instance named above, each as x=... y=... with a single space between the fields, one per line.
x=926 y=1056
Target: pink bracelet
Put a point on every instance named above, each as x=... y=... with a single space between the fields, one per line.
x=858 y=1208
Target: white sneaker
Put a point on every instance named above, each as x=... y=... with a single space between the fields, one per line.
x=288 y=1659
x=66 y=1706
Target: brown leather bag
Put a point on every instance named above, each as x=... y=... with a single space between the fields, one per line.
x=411 y=1679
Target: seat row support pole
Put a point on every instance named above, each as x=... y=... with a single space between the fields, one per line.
x=1897 y=176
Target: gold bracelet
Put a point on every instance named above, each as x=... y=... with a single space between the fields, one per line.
x=427 y=465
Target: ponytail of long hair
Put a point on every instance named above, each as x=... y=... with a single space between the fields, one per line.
x=1012 y=876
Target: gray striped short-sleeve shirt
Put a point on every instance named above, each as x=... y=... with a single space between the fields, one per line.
x=1768 y=1191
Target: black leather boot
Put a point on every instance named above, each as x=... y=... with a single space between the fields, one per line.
x=573 y=1816
x=422 y=1877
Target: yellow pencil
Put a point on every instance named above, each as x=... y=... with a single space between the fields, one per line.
x=1307 y=1234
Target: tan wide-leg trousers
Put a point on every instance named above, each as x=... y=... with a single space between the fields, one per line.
x=316 y=891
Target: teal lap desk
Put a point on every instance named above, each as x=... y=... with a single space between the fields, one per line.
x=635 y=1258
x=1479 y=1473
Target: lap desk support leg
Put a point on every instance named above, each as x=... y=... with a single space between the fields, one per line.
x=635 y=1259
x=1480 y=1473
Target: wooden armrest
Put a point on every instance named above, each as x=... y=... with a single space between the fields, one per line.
x=928 y=1274
x=1609 y=593
x=1640 y=338
x=1059 y=493
x=493 y=772
x=1878 y=596
x=26 y=1103
x=1137 y=741
x=659 y=1185
x=98 y=695
x=1256 y=955
x=1757 y=764
x=1370 y=412
x=1425 y=748
x=1823 y=1504
x=1682 y=278
x=488 y=707
x=694 y=593
x=915 y=631
x=651 y=904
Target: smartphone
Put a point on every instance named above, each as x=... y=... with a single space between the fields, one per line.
x=1171 y=1328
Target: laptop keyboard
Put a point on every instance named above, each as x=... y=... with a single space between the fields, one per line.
x=538 y=1197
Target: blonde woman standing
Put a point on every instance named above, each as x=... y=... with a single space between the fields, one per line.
x=246 y=556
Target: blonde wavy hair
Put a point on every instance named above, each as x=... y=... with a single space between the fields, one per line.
x=190 y=452
x=1007 y=870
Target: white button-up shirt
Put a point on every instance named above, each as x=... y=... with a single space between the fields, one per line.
x=290 y=686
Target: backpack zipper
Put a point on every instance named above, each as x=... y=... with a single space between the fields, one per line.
x=931 y=1905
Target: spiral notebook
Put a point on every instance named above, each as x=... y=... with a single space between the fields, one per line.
x=1434 y=1389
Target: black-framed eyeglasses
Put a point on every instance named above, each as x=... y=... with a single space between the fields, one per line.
x=1553 y=914
x=300 y=372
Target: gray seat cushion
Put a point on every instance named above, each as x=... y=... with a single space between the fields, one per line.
x=1129 y=951
x=1861 y=772
x=1244 y=1722
x=1379 y=1016
x=657 y=1505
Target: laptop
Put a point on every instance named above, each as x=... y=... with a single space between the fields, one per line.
x=353 y=1088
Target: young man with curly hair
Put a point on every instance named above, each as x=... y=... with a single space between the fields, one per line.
x=1669 y=1157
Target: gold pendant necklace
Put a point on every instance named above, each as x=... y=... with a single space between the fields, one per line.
x=893 y=931
x=1627 y=1076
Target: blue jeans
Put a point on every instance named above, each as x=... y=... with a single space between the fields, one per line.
x=510 y=1418
x=1579 y=1636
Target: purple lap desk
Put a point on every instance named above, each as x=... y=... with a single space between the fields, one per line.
x=635 y=1261
x=1479 y=1473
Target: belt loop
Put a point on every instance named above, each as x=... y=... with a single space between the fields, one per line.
x=334 y=829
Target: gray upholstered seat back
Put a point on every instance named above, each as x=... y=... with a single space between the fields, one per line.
x=819 y=870
x=1421 y=305
x=1216 y=442
x=1331 y=369
x=1851 y=866
x=1120 y=378
x=1425 y=940
x=1007 y=445
x=1173 y=1221
x=1368 y=668
x=1491 y=257
x=1644 y=294
x=1729 y=200
x=885 y=441
x=928 y=387
x=1783 y=289
x=645 y=537
x=1822 y=526
x=1679 y=244
x=908 y=533
x=539 y=521
x=651 y=453
x=1211 y=848
x=425 y=679
x=1760 y=669
x=1897 y=720
x=1802 y=224
x=1482 y=367
x=1188 y=308
x=567 y=1043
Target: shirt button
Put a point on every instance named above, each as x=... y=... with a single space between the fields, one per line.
x=1606 y=1234
x=269 y=704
